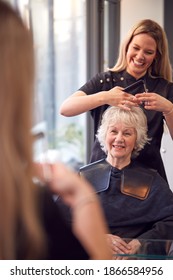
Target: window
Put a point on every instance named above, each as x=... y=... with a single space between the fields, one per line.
x=59 y=30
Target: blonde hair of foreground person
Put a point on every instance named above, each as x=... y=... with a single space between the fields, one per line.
x=18 y=194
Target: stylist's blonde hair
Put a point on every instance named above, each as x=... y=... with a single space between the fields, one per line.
x=19 y=218
x=161 y=65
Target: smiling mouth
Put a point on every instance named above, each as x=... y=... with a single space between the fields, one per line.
x=118 y=146
x=138 y=64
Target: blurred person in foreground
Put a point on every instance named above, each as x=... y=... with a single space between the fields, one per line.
x=137 y=201
x=30 y=221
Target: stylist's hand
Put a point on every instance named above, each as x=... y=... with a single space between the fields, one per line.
x=154 y=101
x=117 y=97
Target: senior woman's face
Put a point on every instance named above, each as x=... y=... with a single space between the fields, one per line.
x=120 y=142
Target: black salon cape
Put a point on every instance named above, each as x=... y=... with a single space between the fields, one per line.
x=150 y=155
x=128 y=216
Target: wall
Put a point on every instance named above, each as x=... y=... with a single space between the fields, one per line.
x=134 y=10
x=131 y=12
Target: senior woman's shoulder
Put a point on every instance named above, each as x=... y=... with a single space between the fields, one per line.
x=97 y=173
x=142 y=171
x=102 y=163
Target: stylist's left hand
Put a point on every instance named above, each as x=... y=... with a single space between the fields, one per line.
x=154 y=101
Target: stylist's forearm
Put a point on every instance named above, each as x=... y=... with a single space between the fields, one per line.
x=80 y=103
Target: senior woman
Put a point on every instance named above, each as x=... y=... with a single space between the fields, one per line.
x=137 y=201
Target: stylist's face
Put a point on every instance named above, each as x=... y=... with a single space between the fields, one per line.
x=140 y=55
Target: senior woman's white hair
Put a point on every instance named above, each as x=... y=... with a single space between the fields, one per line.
x=134 y=117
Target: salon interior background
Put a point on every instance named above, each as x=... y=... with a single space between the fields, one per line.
x=74 y=39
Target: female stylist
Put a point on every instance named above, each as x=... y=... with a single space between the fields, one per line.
x=143 y=56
